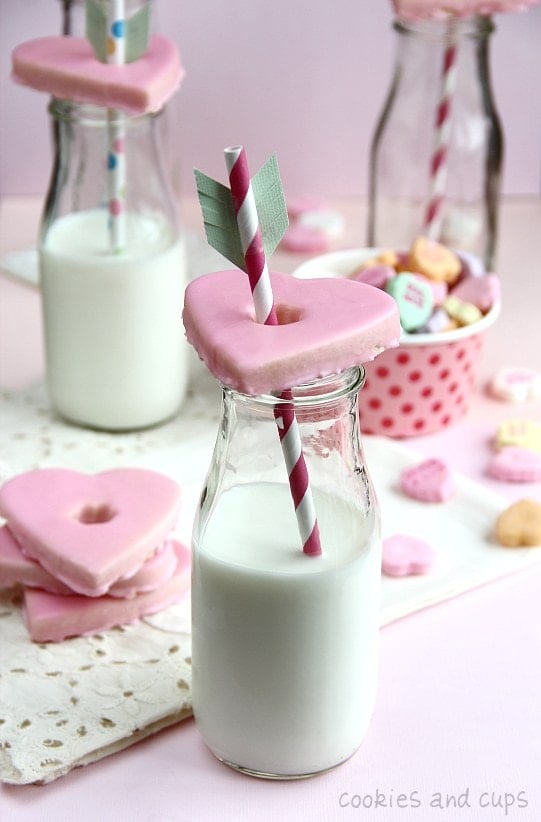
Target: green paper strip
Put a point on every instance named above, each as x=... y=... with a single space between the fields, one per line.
x=219 y=214
x=137 y=30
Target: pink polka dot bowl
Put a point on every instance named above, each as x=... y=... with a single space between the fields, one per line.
x=424 y=385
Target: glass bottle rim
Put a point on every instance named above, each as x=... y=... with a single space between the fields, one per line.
x=318 y=392
x=475 y=26
x=92 y=115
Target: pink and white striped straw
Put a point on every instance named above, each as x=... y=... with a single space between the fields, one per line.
x=260 y=284
x=440 y=158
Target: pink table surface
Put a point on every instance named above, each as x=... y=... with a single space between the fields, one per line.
x=459 y=703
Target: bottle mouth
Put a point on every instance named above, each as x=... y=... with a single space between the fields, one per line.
x=318 y=392
x=447 y=29
x=91 y=115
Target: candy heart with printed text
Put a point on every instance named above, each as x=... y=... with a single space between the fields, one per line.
x=428 y=481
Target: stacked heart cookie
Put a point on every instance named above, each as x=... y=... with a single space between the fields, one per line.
x=90 y=551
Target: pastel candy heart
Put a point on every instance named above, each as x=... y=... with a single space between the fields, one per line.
x=414 y=299
x=464 y=313
x=483 y=291
x=516 y=384
x=18 y=569
x=404 y=555
x=428 y=481
x=67 y=68
x=524 y=433
x=377 y=275
x=520 y=524
x=90 y=530
x=52 y=618
x=438 y=288
x=434 y=260
x=326 y=326
x=515 y=464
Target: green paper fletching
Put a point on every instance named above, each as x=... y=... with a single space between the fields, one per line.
x=219 y=213
x=137 y=34
x=96 y=29
x=137 y=31
x=270 y=204
x=219 y=218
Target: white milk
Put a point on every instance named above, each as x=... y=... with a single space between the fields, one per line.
x=116 y=353
x=284 y=645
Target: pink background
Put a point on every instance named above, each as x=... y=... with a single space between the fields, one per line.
x=305 y=79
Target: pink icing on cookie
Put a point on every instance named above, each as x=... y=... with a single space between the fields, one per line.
x=89 y=531
x=67 y=68
x=403 y=555
x=52 y=618
x=438 y=10
x=18 y=569
x=326 y=325
x=428 y=481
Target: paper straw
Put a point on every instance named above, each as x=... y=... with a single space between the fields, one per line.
x=440 y=158
x=258 y=275
x=116 y=133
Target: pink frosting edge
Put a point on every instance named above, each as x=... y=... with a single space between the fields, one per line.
x=140 y=87
x=415 y=10
x=305 y=366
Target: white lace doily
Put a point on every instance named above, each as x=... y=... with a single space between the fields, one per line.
x=68 y=704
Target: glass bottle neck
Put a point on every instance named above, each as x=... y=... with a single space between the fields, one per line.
x=445 y=31
x=324 y=393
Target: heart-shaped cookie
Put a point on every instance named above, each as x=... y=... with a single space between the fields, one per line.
x=90 y=530
x=325 y=326
x=515 y=464
x=52 y=618
x=404 y=555
x=67 y=68
x=428 y=481
x=520 y=524
x=18 y=569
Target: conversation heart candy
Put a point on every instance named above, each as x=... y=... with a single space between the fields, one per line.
x=482 y=292
x=520 y=524
x=434 y=260
x=463 y=313
x=377 y=275
x=515 y=464
x=414 y=299
x=429 y=481
x=404 y=555
x=515 y=384
x=524 y=433
x=89 y=530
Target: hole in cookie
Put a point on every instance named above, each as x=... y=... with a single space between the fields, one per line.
x=95 y=514
x=288 y=314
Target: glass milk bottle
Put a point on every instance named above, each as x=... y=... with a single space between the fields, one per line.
x=284 y=644
x=113 y=273
x=436 y=154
